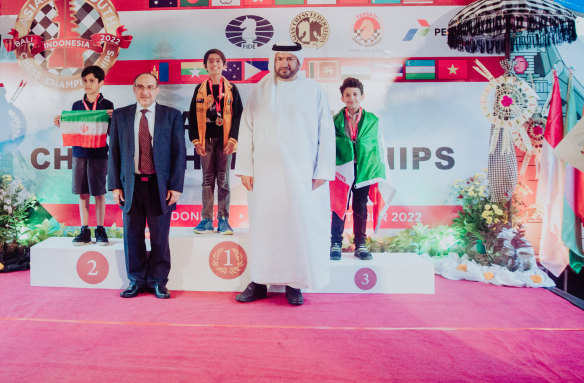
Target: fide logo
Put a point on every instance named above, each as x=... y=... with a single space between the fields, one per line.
x=54 y=40
x=228 y=260
x=310 y=29
x=367 y=29
x=249 y=31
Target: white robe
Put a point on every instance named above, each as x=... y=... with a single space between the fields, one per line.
x=286 y=139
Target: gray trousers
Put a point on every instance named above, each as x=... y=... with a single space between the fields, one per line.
x=215 y=166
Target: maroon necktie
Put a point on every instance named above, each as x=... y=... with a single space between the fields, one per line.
x=145 y=163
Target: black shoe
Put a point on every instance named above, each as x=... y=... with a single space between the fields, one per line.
x=101 y=236
x=294 y=296
x=160 y=292
x=84 y=237
x=252 y=292
x=361 y=252
x=133 y=290
x=336 y=251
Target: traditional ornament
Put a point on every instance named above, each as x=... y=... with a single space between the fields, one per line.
x=508 y=102
x=535 y=128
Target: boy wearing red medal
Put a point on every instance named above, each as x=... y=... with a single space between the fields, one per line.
x=90 y=165
x=360 y=167
x=214 y=118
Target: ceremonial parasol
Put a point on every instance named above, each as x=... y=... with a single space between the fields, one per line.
x=576 y=6
x=487 y=26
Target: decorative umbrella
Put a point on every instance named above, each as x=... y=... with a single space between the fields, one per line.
x=575 y=6
x=486 y=26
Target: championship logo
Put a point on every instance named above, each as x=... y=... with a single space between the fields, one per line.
x=55 y=39
x=310 y=29
x=366 y=29
x=249 y=31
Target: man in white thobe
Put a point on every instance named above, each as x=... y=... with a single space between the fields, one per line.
x=285 y=155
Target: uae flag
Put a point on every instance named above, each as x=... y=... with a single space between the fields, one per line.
x=550 y=189
x=85 y=128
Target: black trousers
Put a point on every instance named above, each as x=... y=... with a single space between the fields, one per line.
x=359 y=217
x=142 y=267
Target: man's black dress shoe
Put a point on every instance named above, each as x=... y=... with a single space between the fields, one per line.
x=160 y=292
x=252 y=292
x=294 y=296
x=133 y=290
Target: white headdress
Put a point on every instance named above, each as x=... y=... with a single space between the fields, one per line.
x=286 y=47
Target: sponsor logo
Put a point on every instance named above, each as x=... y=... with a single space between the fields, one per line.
x=249 y=31
x=54 y=40
x=310 y=29
x=423 y=30
x=367 y=29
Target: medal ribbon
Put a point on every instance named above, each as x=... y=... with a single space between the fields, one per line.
x=353 y=127
x=217 y=103
x=94 y=106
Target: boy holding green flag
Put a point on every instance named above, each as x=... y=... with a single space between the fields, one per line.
x=360 y=170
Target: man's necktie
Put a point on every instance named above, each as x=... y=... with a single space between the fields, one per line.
x=146 y=162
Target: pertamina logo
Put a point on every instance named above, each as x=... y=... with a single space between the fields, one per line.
x=55 y=39
x=249 y=32
x=367 y=29
x=421 y=31
x=310 y=29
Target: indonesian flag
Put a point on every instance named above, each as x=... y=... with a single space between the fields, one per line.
x=85 y=128
x=550 y=190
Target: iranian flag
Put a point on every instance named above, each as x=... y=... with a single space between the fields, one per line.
x=85 y=128
x=550 y=189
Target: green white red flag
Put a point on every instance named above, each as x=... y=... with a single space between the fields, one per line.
x=85 y=128
x=550 y=189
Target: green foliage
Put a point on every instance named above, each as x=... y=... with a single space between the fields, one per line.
x=15 y=207
x=480 y=219
x=419 y=239
x=115 y=232
x=42 y=231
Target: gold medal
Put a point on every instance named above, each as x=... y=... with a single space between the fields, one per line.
x=219 y=121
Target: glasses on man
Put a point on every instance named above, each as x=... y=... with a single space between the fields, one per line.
x=142 y=87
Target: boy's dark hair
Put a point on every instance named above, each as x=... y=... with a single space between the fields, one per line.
x=351 y=82
x=215 y=51
x=97 y=72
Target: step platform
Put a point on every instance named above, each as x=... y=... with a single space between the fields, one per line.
x=214 y=262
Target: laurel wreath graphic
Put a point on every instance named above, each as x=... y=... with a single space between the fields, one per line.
x=233 y=270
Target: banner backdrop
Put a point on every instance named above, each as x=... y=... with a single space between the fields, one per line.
x=427 y=96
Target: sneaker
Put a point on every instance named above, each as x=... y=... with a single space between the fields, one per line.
x=361 y=252
x=336 y=251
x=224 y=227
x=204 y=226
x=84 y=237
x=101 y=236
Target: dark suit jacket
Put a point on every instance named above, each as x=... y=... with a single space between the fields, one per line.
x=168 y=150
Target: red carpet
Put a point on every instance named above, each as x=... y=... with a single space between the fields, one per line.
x=467 y=331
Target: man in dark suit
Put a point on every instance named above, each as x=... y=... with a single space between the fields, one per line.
x=146 y=166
